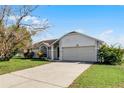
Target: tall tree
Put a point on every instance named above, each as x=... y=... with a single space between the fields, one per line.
x=17 y=34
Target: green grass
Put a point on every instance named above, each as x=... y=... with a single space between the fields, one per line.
x=18 y=64
x=101 y=76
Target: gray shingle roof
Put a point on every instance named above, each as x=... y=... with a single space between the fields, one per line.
x=46 y=42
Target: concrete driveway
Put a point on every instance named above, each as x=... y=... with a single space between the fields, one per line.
x=53 y=75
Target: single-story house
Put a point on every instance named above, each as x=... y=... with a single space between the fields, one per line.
x=73 y=46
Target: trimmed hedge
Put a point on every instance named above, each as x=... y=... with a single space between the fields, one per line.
x=110 y=55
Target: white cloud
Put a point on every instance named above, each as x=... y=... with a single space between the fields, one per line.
x=107 y=36
x=46 y=36
x=106 y=33
x=111 y=38
x=36 y=22
x=43 y=36
x=13 y=18
x=28 y=18
x=31 y=19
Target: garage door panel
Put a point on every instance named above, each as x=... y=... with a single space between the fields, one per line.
x=79 y=53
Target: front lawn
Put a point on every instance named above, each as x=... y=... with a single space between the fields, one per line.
x=100 y=76
x=19 y=64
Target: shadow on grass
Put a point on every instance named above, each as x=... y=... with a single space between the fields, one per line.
x=107 y=64
x=38 y=59
x=32 y=59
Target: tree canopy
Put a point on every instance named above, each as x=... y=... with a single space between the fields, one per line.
x=17 y=34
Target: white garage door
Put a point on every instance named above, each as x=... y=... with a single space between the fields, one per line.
x=79 y=53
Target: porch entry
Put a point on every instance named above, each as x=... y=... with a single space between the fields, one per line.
x=56 y=53
x=44 y=49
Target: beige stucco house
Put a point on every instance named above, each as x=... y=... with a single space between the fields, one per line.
x=73 y=46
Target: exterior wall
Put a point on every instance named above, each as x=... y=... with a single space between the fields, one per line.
x=75 y=39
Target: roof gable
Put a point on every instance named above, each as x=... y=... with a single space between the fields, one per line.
x=45 y=42
x=80 y=34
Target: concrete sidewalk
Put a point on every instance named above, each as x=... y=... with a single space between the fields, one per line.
x=53 y=75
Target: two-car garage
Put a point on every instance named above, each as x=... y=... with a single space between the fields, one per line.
x=82 y=53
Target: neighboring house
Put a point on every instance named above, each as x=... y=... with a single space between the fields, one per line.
x=73 y=46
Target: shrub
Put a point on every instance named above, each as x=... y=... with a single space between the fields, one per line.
x=110 y=55
x=28 y=54
x=40 y=54
x=7 y=57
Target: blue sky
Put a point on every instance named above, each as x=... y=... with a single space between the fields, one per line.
x=102 y=22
